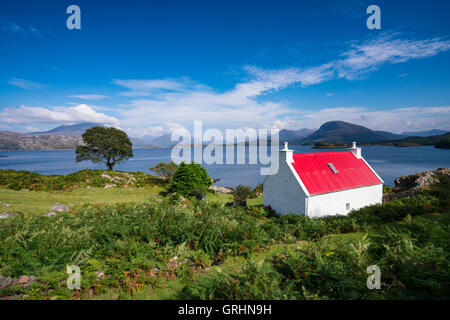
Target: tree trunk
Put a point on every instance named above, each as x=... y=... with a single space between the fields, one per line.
x=110 y=165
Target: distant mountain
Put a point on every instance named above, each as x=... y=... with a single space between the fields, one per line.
x=428 y=133
x=75 y=130
x=25 y=141
x=389 y=135
x=294 y=135
x=340 y=132
x=163 y=140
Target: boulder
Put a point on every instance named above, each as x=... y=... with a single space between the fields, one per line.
x=50 y=214
x=5 y=215
x=100 y=274
x=59 y=207
x=105 y=176
x=23 y=280
x=5 y=282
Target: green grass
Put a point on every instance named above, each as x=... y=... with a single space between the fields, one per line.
x=222 y=252
x=39 y=202
x=35 y=202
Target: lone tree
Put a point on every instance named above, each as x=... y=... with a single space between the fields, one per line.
x=109 y=145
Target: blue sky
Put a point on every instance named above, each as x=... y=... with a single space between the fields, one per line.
x=151 y=66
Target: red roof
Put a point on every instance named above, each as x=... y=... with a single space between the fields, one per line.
x=318 y=176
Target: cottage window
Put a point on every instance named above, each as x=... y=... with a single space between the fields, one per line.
x=347 y=206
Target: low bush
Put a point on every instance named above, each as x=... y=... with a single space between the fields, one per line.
x=93 y=178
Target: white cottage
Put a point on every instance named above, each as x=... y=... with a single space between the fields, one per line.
x=322 y=183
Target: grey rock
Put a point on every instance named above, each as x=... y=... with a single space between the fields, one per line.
x=23 y=280
x=50 y=214
x=410 y=185
x=5 y=215
x=222 y=190
x=100 y=274
x=59 y=207
x=5 y=282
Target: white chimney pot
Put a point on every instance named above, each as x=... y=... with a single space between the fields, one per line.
x=356 y=151
x=286 y=154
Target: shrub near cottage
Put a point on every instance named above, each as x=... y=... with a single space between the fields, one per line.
x=296 y=227
x=190 y=180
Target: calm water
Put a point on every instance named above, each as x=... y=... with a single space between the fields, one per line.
x=389 y=162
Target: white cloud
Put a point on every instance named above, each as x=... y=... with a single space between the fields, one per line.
x=370 y=55
x=330 y=94
x=56 y=115
x=25 y=84
x=141 y=88
x=8 y=25
x=159 y=105
x=155 y=131
x=4 y=127
x=89 y=96
x=361 y=59
x=183 y=101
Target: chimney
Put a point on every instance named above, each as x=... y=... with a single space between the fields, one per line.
x=286 y=154
x=356 y=151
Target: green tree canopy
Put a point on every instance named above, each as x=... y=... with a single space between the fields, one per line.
x=189 y=179
x=108 y=145
x=165 y=169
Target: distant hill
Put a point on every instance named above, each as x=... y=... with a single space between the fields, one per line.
x=75 y=130
x=439 y=141
x=25 y=141
x=429 y=133
x=294 y=135
x=163 y=140
x=344 y=132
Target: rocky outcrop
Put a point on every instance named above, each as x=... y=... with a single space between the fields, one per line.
x=125 y=180
x=222 y=190
x=422 y=179
x=410 y=185
x=24 y=141
x=23 y=280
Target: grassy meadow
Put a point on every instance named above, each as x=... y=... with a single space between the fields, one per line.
x=131 y=242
